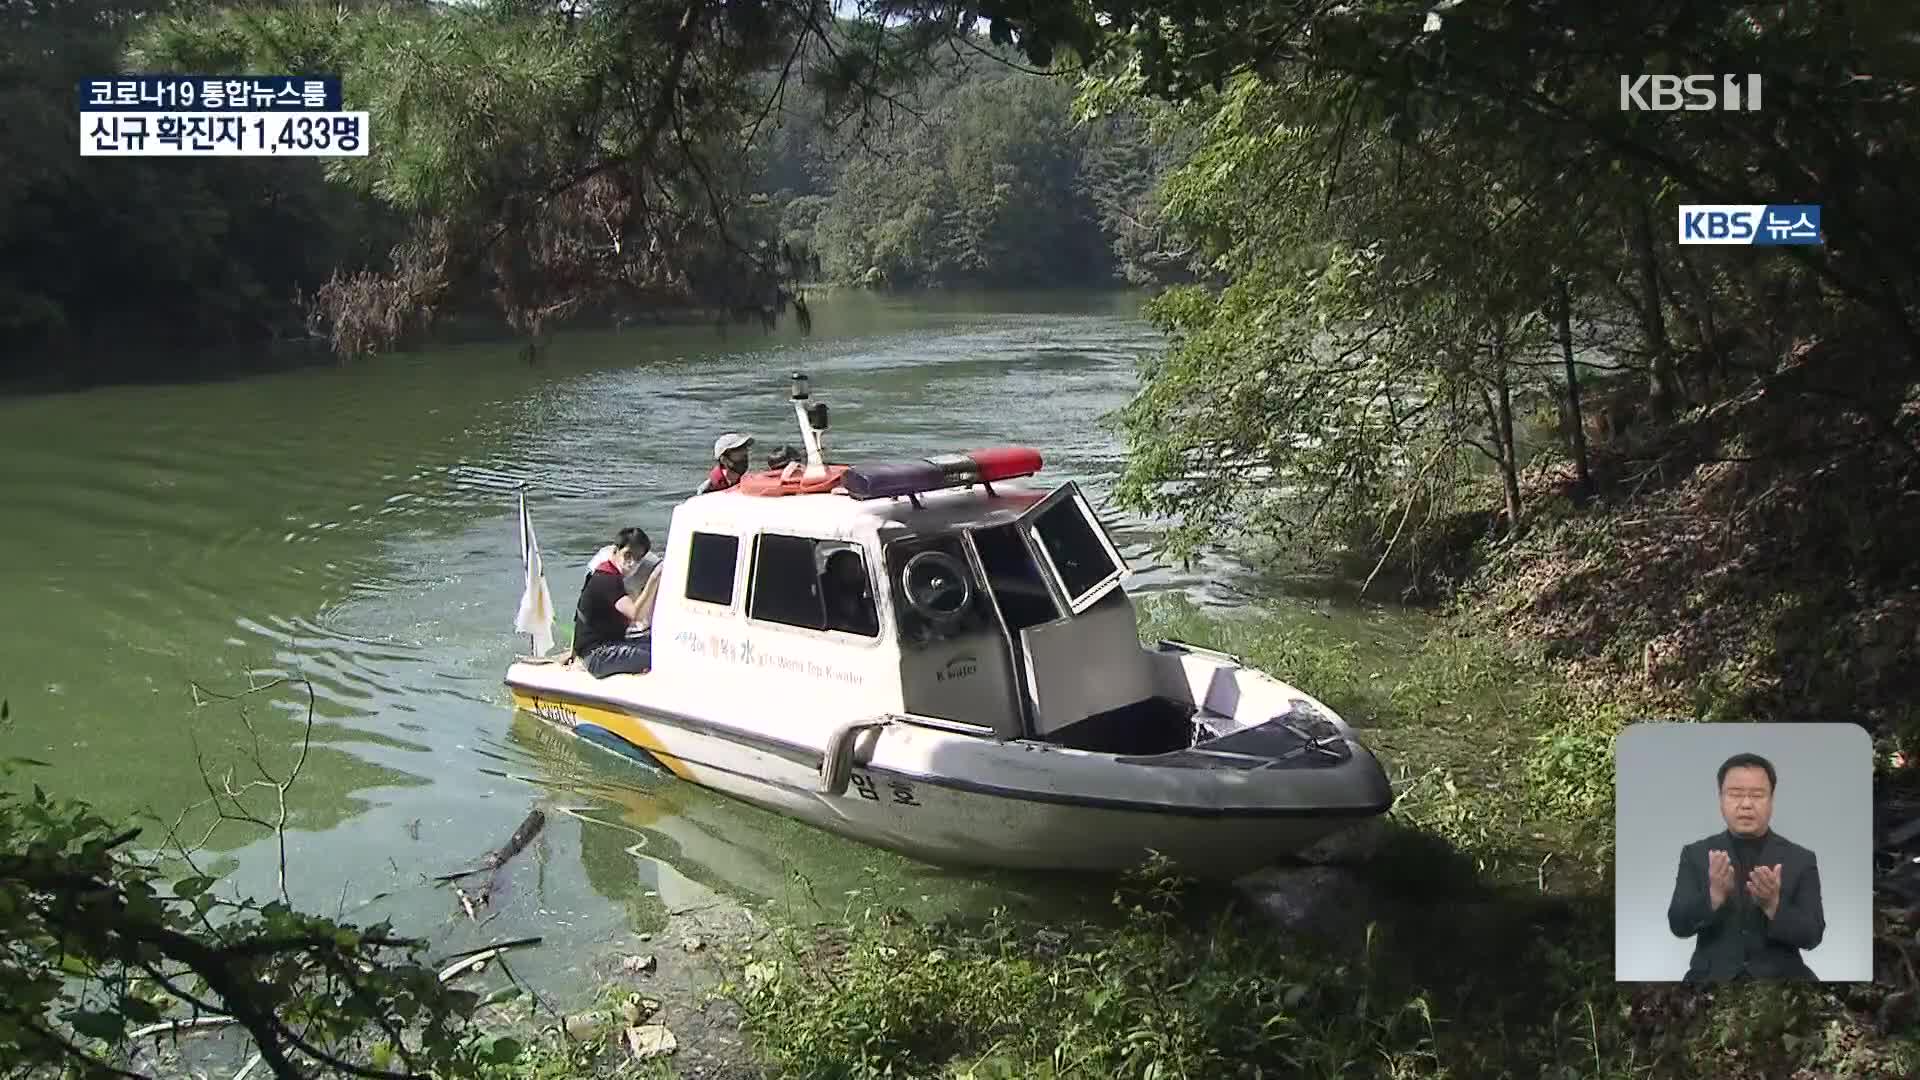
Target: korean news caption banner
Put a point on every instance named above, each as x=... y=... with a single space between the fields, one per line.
x=218 y=116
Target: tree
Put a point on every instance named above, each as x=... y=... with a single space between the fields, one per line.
x=1382 y=316
x=1131 y=148
x=568 y=155
x=985 y=187
x=1837 y=125
x=100 y=943
x=114 y=252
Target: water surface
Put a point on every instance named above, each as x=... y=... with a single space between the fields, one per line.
x=355 y=529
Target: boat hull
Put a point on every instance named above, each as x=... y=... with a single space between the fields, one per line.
x=949 y=820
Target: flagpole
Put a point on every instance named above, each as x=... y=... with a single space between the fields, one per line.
x=521 y=491
x=533 y=641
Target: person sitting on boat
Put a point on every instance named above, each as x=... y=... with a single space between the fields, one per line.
x=643 y=570
x=607 y=610
x=848 y=596
x=730 y=462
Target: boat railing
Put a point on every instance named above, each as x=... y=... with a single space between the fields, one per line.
x=1174 y=645
x=960 y=727
x=843 y=753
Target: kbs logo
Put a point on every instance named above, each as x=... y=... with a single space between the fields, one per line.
x=1693 y=93
x=1760 y=226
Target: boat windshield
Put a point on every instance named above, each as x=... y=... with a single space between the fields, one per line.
x=1015 y=578
x=1076 y=549
x=1080 y=563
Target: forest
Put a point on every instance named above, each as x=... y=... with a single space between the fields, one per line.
x=977 y=174
x=1428 y=317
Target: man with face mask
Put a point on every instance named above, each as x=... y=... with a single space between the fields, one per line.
x=730 y=462
x=607 y=612
x=1750 y=896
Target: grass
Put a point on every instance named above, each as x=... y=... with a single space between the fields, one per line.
x=1514 y=762
x=1486 y=951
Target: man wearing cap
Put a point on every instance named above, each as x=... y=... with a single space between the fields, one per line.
x=730 y=462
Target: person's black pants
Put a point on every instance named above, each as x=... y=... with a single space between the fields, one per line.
x=633 y=656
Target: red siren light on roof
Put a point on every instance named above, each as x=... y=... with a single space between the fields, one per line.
x=894 y=479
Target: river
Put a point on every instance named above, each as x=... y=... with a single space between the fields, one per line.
x=355 y=527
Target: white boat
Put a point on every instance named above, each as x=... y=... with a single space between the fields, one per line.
x=976 y=695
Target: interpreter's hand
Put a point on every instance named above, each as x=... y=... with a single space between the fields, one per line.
x=1719 y=878
x=1764 y=886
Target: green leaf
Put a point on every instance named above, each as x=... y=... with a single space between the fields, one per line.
x=98 y=1025
x=139 y=1010
x=503 y=1051
x=188 y=888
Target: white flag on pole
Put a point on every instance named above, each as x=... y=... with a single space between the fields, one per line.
x=536 y=604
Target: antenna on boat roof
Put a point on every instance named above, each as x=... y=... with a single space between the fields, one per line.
x=813 y=425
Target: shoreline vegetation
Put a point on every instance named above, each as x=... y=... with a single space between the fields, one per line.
x=1466 y=934
x=1388 y=234
x=1469 y=934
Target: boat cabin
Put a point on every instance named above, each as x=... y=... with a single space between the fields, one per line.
x=932 y=589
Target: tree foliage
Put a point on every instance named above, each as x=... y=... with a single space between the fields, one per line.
x=554 y=160
x=1414 y=178
x=981 y=174
x=984 y=189
x=102 y=942
x=567 y=156
x=169 y=252
x=1371 y=334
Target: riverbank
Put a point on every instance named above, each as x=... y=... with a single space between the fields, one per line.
x=1470 y=935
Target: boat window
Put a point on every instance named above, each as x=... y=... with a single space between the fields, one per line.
x=846 y=591
x=1017 y=586
x=786 y=588
x=710 y=567
x=1081 y=557
x=814 y=584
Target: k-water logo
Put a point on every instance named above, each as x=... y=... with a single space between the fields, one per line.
x=1760 y=226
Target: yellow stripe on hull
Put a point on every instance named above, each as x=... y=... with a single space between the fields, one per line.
x=572 y=713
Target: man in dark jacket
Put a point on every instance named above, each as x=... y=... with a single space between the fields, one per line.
x=607 y=609
x=1750 y=896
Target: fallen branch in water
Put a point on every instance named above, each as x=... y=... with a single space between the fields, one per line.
x=180 y=1025
x=473 y=958
x=493 y=863
x=515 y=943
x=497 y=858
